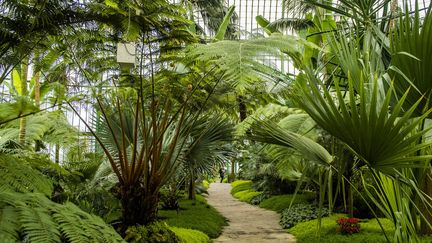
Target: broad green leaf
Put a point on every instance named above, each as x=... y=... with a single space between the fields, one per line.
x=220 y=35
x=16 y=80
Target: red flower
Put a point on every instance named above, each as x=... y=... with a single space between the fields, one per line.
x=348 y=225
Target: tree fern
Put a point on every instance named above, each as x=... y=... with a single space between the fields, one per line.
x=18 y=176
x=243 y=63
x=35 y=217
x=37 y=224
x=9 y=223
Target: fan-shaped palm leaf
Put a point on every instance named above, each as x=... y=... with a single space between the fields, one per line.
x=382 y=138
x=206 y=149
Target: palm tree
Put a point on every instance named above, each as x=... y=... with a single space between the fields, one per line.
x=208 y=148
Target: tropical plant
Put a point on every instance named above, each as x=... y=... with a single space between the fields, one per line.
x=207 y=148
x=27 y=213
x=300 y=213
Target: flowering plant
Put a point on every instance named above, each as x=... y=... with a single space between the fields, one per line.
x=348 y=225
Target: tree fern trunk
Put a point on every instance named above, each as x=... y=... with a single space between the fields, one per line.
x=37 y=104
x=22 y=131
x=242 y=108
x=23 y=120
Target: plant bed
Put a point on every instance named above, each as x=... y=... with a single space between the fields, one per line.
x=197 y=215
x=280 y=202
x=370 y=231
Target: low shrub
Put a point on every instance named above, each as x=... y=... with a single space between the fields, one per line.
x=170 y=199
x=348 y=225
x=258 y=199
x=238 y=186
x=190 y=235
x=196 y=215
x=247 y=195
x=281 y=202
x=153 y=233
x=205 y=184
x=301 y=213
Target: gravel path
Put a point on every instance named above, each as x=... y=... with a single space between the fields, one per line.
x=247 y=223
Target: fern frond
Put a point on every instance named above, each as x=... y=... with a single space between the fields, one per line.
x=19 y=176
x=38 y=224
x=9 y=224
x=243 y=63
x=38 y=219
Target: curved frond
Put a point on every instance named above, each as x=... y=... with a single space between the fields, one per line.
x=42 y=220
x=19 y=176
x=271 y=133
x=243 y=63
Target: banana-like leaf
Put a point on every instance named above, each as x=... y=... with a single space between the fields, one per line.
x=220 y=35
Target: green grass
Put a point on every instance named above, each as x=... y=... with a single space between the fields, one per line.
x=370 y=231
x=246 y=196
x=190 y=235
x=240 y=185
x=195 y=215
x=281 y=202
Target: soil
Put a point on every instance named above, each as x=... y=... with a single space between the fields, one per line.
x=247 y=223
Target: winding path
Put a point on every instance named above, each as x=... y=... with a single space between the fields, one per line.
x=247 y=223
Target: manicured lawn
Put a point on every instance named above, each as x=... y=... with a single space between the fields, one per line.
x=196 y=215
x=281 y=202
x=370 y=231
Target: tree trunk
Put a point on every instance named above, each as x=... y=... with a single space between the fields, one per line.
x=232 y=176
x=37 y=98
x=23 y=120
x=140 y=207
x=191 y=191
x=242 y=108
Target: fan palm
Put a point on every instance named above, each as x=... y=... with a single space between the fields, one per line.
x=207 y=148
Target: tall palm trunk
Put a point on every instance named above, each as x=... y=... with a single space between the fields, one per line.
x=23 y=120
x=243 y=116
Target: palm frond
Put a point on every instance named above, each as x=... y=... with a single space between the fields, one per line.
x=411 y=58
x=382 y=138
x=271 y=133
x=208 y=146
